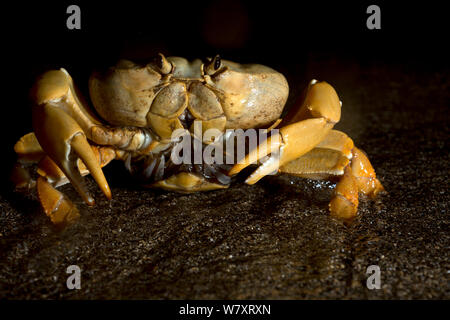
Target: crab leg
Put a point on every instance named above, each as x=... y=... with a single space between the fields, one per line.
x=53 y=174
x=56 y=205
x=359 y=176
x=304 y=128
x=62 y=124
x=187 y=182
x=57 y=119
x=317 y=164
x=64 y=141
x=336 y=156
x=365 y=174
x=344 y=204
x=339 y=141
x=28 y=151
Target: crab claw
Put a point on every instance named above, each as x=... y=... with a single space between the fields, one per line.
x=315 y=116
x=61 y=137
x=269 y=146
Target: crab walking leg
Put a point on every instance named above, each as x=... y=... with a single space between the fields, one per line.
x=185 y=182
x=28 y=151
x=366 y=178
x=49 y=169
x=331 y=159
x=317 y=164
x=56 y=205
x=328 y=158
x=344 y=204
x=305 y=128
x=359 y=176
x=62 y=124
x=339 y=141
x=324 y=162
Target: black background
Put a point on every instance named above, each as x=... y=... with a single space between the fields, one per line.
x=281 y=34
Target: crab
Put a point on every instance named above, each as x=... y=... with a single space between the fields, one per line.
x=138 y=107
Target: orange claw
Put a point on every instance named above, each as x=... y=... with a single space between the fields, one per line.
x=57 y=207
x=64 y=141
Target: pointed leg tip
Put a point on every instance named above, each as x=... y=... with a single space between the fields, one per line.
x=378 y=189
x=105 y=189
x=56 y=205
x=84 y=151
x=108 y=193
x=236 y=169
x=90 y=201
x=252 y=180
x=342 y=208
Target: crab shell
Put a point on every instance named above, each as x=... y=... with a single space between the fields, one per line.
x=222 y=94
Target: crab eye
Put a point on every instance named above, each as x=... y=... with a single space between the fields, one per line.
x=213 y=65
x=217 y=62
x=161 y=63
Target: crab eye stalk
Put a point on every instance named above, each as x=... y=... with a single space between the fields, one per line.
x=213 y=65
x=161 y=63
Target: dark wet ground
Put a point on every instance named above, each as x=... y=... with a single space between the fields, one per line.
x=268 y=241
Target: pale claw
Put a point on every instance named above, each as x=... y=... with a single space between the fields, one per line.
x=64 y=141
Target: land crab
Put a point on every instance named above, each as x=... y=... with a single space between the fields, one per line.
x=139 y=107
